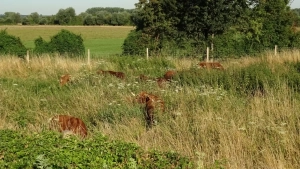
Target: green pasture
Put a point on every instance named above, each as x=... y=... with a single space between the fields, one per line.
x=101 y=40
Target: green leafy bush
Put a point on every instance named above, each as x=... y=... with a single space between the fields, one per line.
x=41 y=46
x=64 y=43
x=135 y=44
x=11 y=45
x=49 y=150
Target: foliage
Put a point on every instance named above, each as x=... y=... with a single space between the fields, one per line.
x=11 y=45
x=66 y=16
x=250 y=27
x=49 y=150
x=171 y=24
x=10 y=18
x=108 y=16
x=277 y=23
x=135 y=43
x=41 y=46
x=65 y=42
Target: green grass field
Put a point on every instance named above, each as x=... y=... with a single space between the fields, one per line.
x=101 y=40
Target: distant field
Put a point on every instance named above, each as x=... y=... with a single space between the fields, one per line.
x=101 y=40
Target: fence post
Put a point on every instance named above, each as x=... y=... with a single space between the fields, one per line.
x=275 y=50
x=27 y=56
x=212 y=46
x=207 y=54
x=89 y=58
x=147 y=53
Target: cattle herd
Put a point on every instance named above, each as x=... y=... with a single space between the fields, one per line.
x=152 y=105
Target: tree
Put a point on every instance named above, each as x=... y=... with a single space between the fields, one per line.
x=25 y=21
x=100 y=17
x=89 y=20
x=205 y=18
x=114 y=19
x=66 y=16
x=34 y=18
x=12 y=17
x=277 y=21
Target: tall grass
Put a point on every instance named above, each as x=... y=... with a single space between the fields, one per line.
x=218 y=127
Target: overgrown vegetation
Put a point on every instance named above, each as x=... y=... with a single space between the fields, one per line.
x=11 y=45
x=243 y=117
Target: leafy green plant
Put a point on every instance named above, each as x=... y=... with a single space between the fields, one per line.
x=48 y=150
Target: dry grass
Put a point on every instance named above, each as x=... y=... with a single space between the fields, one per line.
x=216 y=128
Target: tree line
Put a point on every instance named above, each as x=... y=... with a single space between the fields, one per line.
x=92 y=16
x=232 y=28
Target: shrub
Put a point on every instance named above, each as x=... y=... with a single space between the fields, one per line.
x=64 y=43
x=134 y=44
x=11 y=45
x=42 y=46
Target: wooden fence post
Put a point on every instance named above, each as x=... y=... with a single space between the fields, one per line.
x=89 y=58
x=212 y=46
x=27 y=56
x=275 y=50
x=207 y=54
x=147 y=53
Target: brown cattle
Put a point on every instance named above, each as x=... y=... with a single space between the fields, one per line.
x=68 y=125
x=64 y=79
x=211 y=65
x=141 y=99
x=169 y=75
x=120 y=75
x=149 y=111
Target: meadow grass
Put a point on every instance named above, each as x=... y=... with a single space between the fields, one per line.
x=216 y=127
x=101 y=40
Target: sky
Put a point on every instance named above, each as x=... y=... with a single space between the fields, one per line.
x=51 y=7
